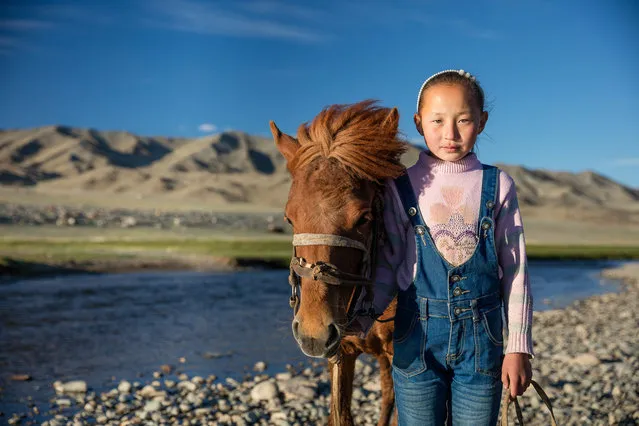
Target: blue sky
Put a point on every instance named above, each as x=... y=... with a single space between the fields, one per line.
x=561 y=77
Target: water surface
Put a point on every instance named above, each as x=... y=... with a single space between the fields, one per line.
x=104 y=328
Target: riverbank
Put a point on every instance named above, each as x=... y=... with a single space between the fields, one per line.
x=30 y=251
x=586 y=358
x=36 y=251
x=42 y=258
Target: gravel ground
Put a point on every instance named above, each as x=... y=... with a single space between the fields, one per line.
x=65 y=216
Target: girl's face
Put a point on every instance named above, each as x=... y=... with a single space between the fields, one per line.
x=449 y=120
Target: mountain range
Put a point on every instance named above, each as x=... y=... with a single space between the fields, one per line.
x=233 y=168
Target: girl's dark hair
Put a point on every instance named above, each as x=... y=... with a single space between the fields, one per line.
x=454 y=77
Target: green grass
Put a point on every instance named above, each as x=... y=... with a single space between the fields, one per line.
x=577 y=252
x=275 y=249
x=264 y=249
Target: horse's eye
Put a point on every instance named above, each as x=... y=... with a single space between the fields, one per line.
x=363 y=220
x=288 y=220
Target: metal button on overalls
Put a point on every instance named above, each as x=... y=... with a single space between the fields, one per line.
x=485 y=225
x=457 y=291
x=457 y=311
x=455 y=278
x=412 y=211
x=490 y=204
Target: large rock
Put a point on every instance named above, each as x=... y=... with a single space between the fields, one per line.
x=586 y=360
x=264 y=391
x=299 y=388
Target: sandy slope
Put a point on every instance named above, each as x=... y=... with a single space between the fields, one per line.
x=236 y=171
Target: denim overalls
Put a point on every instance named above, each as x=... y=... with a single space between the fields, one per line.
x=448 y=327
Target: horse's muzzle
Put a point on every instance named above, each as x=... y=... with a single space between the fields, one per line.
x=323 y=346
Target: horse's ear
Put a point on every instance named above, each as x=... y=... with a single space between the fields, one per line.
x=391 y=122
x=286 y=144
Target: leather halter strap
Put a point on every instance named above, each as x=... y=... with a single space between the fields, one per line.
x=326 y=273
x=330 y=274
x=327 y=240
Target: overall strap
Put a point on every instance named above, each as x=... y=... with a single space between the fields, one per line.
x=408 y=199
x=489 y=189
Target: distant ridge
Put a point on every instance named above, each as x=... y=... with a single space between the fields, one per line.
x=235 y=167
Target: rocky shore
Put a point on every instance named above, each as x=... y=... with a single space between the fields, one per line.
x=65 y=216
x=587 y=356
x=586 y=359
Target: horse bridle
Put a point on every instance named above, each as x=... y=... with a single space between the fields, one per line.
x=331 y=274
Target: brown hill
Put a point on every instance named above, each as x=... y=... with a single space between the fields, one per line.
x=234 y=168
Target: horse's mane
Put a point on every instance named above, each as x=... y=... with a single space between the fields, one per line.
x=361 y=137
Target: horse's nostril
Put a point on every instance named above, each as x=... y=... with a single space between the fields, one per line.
x=333 y=335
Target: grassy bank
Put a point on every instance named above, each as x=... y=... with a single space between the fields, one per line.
x=84 y=250
x=47 y=256
x=245 y=248
x=50 y=250
x=582 y=252
x=43 y=250
x=17 y=254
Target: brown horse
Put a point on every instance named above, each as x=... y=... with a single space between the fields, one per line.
x=338 y=164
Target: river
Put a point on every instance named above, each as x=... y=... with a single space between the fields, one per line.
x=104 y=328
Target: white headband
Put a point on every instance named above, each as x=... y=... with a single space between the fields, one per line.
x=460 y=72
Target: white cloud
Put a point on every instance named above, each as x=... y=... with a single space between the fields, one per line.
x=460 y=26
x=8 y=42
x=16 y=29
x=626 y=161
x=89 y=13
x=25 y=24
x=280 y=8
x=210 y=18
x=207 y=128
x=473 y=31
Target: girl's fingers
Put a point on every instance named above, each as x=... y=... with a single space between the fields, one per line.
x=517 y=385
x=505 y=380
x=514 y=389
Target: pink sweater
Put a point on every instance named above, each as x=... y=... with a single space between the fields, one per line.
x=448 y=194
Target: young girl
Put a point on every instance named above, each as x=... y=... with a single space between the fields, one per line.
x=454 y=256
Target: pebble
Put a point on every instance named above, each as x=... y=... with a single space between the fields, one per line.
x=223 y=406
x=264 y=391
x=75 y=386
x=21 y=377
x=124 y=387
x=586 y=360
x=187 y=385
x=63 y=402
x=152 y=406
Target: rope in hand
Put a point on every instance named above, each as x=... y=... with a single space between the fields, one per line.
x=507 y=400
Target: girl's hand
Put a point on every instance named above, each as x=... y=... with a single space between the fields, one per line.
x=516 y=373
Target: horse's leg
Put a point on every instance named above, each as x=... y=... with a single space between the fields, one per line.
x=342 y=402
x=388 y=393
